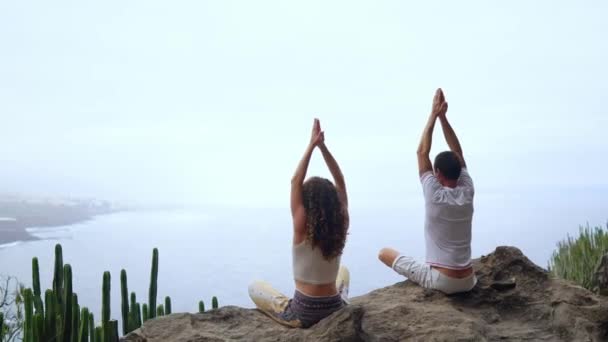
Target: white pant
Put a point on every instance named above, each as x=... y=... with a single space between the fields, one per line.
x=428 y=277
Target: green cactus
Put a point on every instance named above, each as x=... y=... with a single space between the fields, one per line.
x=153 y=284
x=92 y=327
x=28 y=333
x=75 y=318
x=113 y=331
x=1 y=326
x=37 y=327
x=124 y=295
x=168 y=305
x=50 y=303
x=40 y=327
x=58 y=274
x=67 y=303
x=105 y=306
x=138 y=315
x=38 y=305
x=107 y=332
x=132 y=313
x=214 y=303
x=59 y=326
x=201 y=306
x=35 y=276
x=83 y=331
x=59 y=318
x=98 y=334
x=144 y=312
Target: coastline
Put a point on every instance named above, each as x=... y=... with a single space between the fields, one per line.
x=16 y=231
x=14 y=234
x=17 y=215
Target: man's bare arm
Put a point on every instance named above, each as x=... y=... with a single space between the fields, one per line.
x=424 y=161
x=450 y=136
x=424 y=148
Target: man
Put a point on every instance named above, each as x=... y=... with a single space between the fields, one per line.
x=448 y=195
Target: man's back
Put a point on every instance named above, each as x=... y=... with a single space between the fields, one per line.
x=448 y=220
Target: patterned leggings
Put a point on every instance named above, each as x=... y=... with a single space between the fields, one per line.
x=302 y=311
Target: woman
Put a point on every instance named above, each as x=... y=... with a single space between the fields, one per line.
x=320 y=224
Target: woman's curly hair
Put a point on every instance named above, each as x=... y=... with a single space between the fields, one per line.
x=326 y=223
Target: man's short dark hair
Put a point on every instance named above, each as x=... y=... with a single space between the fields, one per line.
x=448 y=164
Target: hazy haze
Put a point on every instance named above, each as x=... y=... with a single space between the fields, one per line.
x=212 y=102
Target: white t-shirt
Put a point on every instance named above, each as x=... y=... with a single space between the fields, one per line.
x=447 y=226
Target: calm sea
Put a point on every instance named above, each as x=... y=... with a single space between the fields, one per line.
x=205 y=253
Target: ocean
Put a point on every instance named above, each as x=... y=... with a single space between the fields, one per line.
x=218 y=252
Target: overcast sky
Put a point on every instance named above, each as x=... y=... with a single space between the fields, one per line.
x=212 y=101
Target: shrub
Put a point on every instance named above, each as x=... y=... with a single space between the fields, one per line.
x=576 y=259
x=11 y=309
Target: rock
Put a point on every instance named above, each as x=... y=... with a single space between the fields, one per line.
x=503 y=285
x=600 y=278
x=527 y=304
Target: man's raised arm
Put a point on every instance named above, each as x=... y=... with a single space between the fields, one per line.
x=450 y=136
x=439 y=106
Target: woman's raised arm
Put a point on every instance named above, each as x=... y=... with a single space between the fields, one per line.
x=297 y=180
x=336 y=173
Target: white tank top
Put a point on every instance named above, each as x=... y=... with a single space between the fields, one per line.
x=309 y=265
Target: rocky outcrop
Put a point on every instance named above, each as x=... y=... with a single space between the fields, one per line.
x=514 y=300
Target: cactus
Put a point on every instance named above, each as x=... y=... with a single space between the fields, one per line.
x=168 y=305
x=50 y=303
x=1 y=326
x=35 y=276
x=37 y=328
x=39 y=319
x=92 y=327
x=38 y=305
x=58 y=274
x=138 y=315
x=153 y=284
x=75 y=318
x=132 y=320
x=113 y=324
x=144 y=312
x=201 y=306
x=124 y=295
x=105 y=306
x=214 y=303
x=134 y=313
x=98 y=334
x=67 y=303
x=59 y=318
x=83 y=331
x=59 y=326
x=28 y=333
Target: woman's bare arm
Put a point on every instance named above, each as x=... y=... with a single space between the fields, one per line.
x=300 y=174
x=336 y=173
